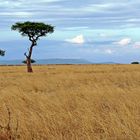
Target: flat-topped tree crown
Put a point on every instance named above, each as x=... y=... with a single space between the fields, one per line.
x=33 y=30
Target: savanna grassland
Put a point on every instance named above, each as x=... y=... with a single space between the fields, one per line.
x=70 y=102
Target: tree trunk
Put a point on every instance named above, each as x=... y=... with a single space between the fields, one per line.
x=29 y=67
x=28 y=57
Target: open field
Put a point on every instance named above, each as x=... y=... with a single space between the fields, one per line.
x=71 y=102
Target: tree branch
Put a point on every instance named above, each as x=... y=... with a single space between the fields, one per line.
x=41 y=34
x=31 y=37
x=26 y=55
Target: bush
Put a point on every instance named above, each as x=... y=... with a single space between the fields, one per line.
x=135 y=63
x=32 y=61
x=2 y=53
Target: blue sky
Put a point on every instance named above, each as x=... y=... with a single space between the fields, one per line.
x=96 y=30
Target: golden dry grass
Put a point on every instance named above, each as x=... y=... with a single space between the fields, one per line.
x=72 y=102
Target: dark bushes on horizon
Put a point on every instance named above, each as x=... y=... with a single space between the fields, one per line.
x=32 y=61
x=134 y=62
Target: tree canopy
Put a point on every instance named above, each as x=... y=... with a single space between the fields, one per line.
x=33 y=30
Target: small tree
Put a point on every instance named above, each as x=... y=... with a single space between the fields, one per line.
x=33 y=30
x=2 y=53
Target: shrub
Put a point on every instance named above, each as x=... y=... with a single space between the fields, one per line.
x=32 y=61
x=135 y=63
x=2 y=53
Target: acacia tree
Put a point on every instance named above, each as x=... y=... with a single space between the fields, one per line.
x=33 y=30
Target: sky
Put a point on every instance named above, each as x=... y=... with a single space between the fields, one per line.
x=95 y=30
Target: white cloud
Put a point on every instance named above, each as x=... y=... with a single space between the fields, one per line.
x=98 y=7
x=136 y=45
x=104 y=35
x=78 y=39
x=108 y=51
x=124 y=41
x=17 y=14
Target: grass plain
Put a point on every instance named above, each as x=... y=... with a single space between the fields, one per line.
x=71 y=102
